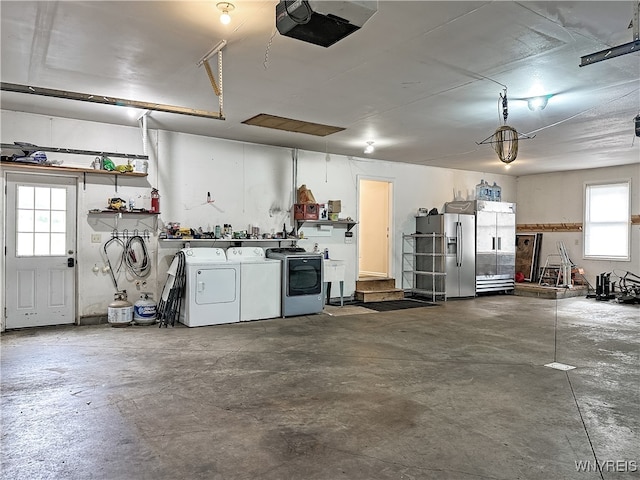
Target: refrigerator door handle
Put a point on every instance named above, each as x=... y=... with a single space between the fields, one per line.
x=493 y=243
x=499 y=243
x=459 y=244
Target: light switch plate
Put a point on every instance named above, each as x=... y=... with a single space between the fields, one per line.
x=96 y=238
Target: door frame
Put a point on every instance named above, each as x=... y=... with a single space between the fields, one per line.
x=3 y=221
x=390 y=220
x=39 y=177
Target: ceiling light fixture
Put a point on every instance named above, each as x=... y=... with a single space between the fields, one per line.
x=505 y=139
x=369 y=148
x=537 y=103
x=225 y=7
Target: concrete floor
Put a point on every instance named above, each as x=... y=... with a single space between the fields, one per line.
x=452 y=392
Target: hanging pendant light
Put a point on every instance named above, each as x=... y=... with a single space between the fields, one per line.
x=505 y=139
x=506 y=143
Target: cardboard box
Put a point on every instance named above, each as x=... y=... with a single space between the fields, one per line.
x=306 y=211
x=335 y=206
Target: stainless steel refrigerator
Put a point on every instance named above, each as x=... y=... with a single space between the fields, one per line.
x=456 y=239
x=495 y=243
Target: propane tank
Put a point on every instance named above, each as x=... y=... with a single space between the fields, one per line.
x=144 y=310
x=120 y=311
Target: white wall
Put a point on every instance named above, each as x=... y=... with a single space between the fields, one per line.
x=95 y=290
x=249 y=184
x=559 y=197
x=252 y=184
x=414 y=186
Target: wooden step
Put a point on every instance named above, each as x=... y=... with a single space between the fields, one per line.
x=379 y=295
x=375 y=283
x=377 y=289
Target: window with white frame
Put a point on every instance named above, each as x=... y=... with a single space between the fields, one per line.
x=41 y=221
x=606 y=227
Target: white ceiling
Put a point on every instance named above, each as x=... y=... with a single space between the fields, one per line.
x=420 y=79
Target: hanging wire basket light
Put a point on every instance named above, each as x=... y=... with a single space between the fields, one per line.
x=506 y=143
x=505 y=139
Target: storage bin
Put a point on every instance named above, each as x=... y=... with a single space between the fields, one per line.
x=335 y=206
x=306 y=211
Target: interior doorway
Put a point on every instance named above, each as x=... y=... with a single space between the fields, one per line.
x=374 y=220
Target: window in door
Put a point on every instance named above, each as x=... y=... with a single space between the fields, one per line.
x=606 y=220
x=41 y=221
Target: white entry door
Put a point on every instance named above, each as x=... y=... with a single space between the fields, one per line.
x=41 y=250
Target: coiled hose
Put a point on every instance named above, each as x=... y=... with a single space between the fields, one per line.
x=136 y=257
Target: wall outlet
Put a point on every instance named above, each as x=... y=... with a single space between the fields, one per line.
x=96 y=238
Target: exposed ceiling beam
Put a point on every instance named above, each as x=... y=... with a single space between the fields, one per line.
x=105 y=100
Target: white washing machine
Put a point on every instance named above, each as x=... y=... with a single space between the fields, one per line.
x=212 y=290
x=260 y=283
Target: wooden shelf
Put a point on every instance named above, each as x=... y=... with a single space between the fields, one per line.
x=560 y=227
x=549 y=227
x=349 y=224
x=230 y=241
x=124 y=212
x=60 y=169
x=115 y=216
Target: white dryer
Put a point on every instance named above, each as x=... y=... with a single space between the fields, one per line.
x=260 y=283
x=212 y=290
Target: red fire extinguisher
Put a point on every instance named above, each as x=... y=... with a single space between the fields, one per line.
x=155 y=201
